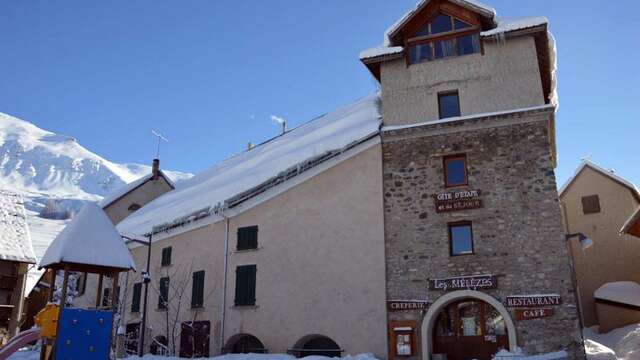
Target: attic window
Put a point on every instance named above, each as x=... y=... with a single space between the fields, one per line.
x=444 y=36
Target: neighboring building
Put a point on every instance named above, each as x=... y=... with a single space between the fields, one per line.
x=435 y=199
x=16 y=255
x=597 y=202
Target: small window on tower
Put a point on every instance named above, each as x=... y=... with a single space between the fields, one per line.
x=591 y=204
x=449 y=104
x=455 y=170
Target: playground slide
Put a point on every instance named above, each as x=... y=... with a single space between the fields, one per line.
x=19 y=341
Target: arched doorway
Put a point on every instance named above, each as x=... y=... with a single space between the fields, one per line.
x=245 y=344
x=467 y=325
x=319 y=345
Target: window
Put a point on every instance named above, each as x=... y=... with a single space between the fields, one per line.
x=134 y=207
x=247 y=238
x=166 y=256
x=591 y=204
x=445 y=36
x=164 y=293
x=455 y=171
x=135 y=299
x=461 y=238
x=197 y=290
x=246 y=285
x=449 y=104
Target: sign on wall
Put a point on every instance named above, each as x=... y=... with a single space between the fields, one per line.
x=464 y=283
x=523 y=301
x=457 y=200
x=529 y=314
x=407 y=305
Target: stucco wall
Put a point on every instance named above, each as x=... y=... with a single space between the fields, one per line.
x=142 y=195
x=617 y=254
x=320 y=263
x=505 y=77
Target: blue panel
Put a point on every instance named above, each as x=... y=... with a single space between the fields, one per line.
x=84 y=334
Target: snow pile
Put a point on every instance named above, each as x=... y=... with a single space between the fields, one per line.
x=507 y=24
x=15 y=239
x=90 y=238
x=196 y=197
x=624 y=292
x=520 y=355
x=620 y=344
x=380 y=51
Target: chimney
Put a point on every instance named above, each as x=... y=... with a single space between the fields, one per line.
x=249 y=146
x=155 y=169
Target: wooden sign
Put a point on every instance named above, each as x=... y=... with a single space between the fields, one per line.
x=407 y=305
x=527 y=301
x=464 y=283
x=528 y=314
x=457 y=200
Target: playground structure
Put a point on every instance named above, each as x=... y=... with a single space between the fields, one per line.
x=91 y=244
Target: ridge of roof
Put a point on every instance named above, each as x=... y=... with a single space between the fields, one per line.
x=617 y=178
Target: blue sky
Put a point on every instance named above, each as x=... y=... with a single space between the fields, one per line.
x=209 y=74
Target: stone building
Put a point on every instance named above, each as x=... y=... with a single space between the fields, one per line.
x=415 y=223
x=16 y=255
x=473 y=227
x=597 y=202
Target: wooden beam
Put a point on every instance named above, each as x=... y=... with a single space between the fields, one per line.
x=99 y=292
x=114 y=291
x=63 y=296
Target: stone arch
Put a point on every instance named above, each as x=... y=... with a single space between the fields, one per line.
x=434 y=310
x=244 y=343
x=316 y=345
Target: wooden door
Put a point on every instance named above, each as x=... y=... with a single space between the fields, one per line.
x=469 y=329
x=194 y=339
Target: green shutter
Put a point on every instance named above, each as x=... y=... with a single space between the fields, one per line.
x=251 y=285
x=166 y=256
x=245 y=285
x=247 y=238
x=137 y=294
x=164 y=293
x=197 y=290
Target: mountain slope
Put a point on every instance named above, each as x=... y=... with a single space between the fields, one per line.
x=56 y=175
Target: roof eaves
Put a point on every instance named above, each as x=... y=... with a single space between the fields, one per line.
x=617 y=178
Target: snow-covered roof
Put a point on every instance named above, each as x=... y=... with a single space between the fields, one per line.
x=123 y=190
x=15 y=239
x=608 y=173
x=380 y=51
x=201 y=194
x=624 y=292
x=472 y=5
x=507 y=24
x=89 y=239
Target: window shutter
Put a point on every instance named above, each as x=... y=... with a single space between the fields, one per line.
x=247 y=238
x=251 y=285
x=164 y=293
x=135 y=301
x=253 y=237
x=166 y=256
x=197 y=290
x=240 y=286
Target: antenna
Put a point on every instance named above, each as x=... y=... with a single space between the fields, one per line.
x=160 y=138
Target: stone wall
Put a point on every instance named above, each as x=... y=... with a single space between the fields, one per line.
x=518 y=234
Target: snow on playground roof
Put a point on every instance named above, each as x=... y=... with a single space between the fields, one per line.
x=199 y=196
x=89 y=239
x=15 y=239
x=624 y=292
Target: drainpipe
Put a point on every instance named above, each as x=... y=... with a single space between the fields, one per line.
x=223 y=308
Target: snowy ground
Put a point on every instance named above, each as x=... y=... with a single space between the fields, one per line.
x=32 y=355
x=621 y=344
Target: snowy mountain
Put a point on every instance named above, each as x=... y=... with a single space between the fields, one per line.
x=56 y=175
